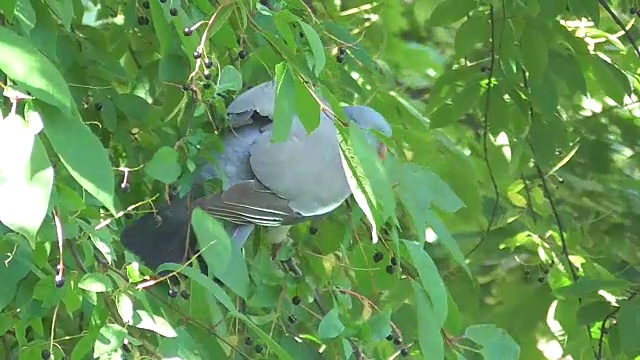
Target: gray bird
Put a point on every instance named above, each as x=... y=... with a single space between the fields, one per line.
x=264 y=183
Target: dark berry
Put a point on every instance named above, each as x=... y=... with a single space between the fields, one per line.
x=484 y=68
x=390 y=337
x=207 y=75
x=46 y=354
x=545 y=271
x=242 y=54
x=527 y=273
x=248 y=341
x=634 y=10
x=208 y=63
x=206 y=85
x=125 y=187
x=173 y=293
x=404 y=352
x=146 y=5
x=377 y=257
x=541 y=279
x=185 y=294
x=296 y=300
x=390 y=269
x=187 y=31
x=59 y=281
x=259 y=348
x=142 y=20
x=292 y=318
x=313 y=230
x=340 y=58
x=393 y=261
x=397 y=341
x=342 y=51
x=98 y=106
x=186 y=87
x=173 y=11
x=197 y=54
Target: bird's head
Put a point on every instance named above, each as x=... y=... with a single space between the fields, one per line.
x=368 y=119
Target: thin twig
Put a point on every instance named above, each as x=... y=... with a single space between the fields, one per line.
x=603 y=325
x=485 y=135
x=620 y=24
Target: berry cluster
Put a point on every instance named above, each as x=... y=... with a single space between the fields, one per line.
x=173 y=293
x=258 y=348
x=397 y=342
x=207 y=62
x=545 y=269
x=393 y=262
x=342 y=52
x=144 y=20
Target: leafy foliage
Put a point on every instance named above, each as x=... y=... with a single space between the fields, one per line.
x=503 y=222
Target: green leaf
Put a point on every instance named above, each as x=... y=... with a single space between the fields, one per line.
x=429 y=336
x=164 y=165
x=25 y=65
x=283 y=20
x=25 y=14
x=95 y=282
x=431 y=280
x=205 y=282
x=586 y=286
x=495 y=342
x=472 y=32
x=450 y=11
x=317 y=48
x=593 y=312
x=230 y=79
x=110 y=338
x=629 y=326
x=213 y=241
x=285 y=103
x=124 y=304
x=613 y=82
x=544 y=95
x=7 y=7
x=181 y=347
x=375 y=172
x=306 y=106
x=380 y=324
x=26 y=177
x=84 y=345
x=236 y=276
x=147 y=321
x=535 y=54
x=81 y=153
x=14 y=266
x=330 y=325
x=358 y=182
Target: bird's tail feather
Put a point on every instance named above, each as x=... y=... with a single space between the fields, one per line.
x=162 y=237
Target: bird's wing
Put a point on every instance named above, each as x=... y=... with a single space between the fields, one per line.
x=306 y=169
x=248 y=202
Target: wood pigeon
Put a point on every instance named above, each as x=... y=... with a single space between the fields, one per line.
x=264 y=183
